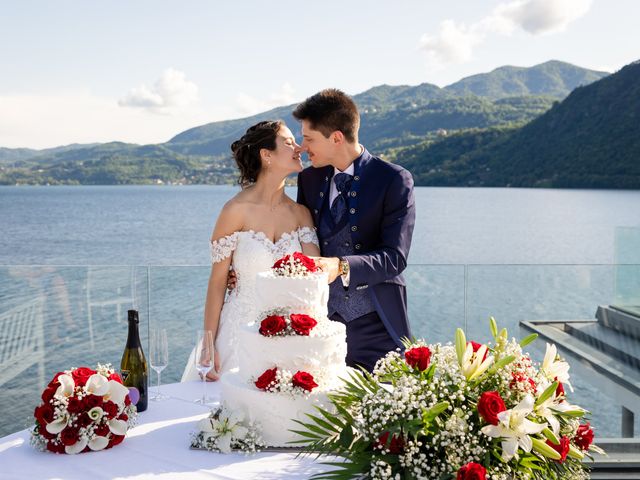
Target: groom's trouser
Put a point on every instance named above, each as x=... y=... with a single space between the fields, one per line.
x=367 y=340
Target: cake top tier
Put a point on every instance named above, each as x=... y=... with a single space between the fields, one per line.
x=305 y=294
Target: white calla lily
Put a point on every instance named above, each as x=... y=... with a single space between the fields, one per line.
x=67 y=385
x=119 y=427
x=57 y=425
x=553 y=368
x=98 y=443
x=514 y=428
x=76 y=447
x=116 y=392
x=472 y=364
x=97 y=385
x=224 y=442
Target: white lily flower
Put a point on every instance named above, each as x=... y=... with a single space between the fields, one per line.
x=97 y=385
x=515 y=428
x=119 y=427
x=224 y=442
x=76 y=447
x=555 y=369
x=546 y=410
x=57 y=425
x=67 y=385
x=472 y=365
x=98 y=443
x=116 y=392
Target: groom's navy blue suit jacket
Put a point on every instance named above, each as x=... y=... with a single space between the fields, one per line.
x=381 y=211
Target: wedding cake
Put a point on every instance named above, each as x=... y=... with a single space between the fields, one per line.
x=291 y=356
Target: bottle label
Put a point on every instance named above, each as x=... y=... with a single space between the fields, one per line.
x=124 y=374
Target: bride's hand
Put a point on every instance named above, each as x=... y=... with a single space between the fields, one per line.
x=214 y=375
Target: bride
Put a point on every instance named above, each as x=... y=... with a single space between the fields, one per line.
x=255 y=228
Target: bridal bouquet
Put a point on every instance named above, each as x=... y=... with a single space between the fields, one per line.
x=465 y=411
x=83 y=409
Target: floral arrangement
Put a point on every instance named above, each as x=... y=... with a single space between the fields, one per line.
x=225 y=430
x=466 y=411
x=283 y=381
x=282 y=324
x=83 y=409
x=294 y=265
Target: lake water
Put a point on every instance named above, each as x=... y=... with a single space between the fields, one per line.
x=89 y=253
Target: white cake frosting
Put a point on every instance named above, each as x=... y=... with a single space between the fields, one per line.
x=322 y=354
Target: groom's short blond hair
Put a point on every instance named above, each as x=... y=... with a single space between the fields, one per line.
x=330 y=110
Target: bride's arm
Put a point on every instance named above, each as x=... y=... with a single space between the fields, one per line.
x=307 y=233
x=223 y=242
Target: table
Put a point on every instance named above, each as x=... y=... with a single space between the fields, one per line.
x=158 y=448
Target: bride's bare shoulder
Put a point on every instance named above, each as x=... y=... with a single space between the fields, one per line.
x=231 y=218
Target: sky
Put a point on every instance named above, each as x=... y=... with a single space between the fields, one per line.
x=81 y=71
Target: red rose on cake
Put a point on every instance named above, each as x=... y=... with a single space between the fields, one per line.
x=302 y=324
x=294 y=265
x=272 y=325
x=267 y=380
x=304 y=380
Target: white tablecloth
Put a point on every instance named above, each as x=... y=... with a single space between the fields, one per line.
x=158 y=448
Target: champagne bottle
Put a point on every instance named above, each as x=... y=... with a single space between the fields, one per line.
x=133 y=366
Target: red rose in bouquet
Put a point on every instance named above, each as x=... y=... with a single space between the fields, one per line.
x=302 y=324
x=395 y=445
x=472 y=471
x=476 y=346
x=267 y=379
x=584 y=436
x=418 y=357
x=272 y=325
x=489 y=406
x=81 y=375
x=562 y=448
x=304 y=380
x=86 y=420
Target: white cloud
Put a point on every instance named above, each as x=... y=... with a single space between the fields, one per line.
x=170 y=92
x=249 y=105
x=543 y=16
x=59 y=118
x=454 y=43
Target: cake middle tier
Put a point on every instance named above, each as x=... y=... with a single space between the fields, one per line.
x=323 y=354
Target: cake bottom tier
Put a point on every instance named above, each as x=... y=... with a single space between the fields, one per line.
x=274 y=412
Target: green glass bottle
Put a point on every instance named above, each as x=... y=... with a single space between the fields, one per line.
x=133 y=366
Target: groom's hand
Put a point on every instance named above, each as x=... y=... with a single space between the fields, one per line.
x=232 y=280
x=329 y=265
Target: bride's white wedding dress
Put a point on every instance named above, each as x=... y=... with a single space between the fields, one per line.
x=252 y=253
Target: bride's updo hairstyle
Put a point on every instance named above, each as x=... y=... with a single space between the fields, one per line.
x=246 y=150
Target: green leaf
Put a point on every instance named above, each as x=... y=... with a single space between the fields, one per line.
x=346 y=436
x=528 y=339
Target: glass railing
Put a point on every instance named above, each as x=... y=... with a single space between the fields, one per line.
x=56 y=317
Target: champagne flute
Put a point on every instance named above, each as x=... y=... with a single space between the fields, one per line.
x=204 y=359
x=159 y=357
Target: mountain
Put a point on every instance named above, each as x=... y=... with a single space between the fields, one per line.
x=551 y=78
x=589 y=140
x=398 y=122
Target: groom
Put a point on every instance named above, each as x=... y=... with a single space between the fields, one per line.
x=364 y=212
